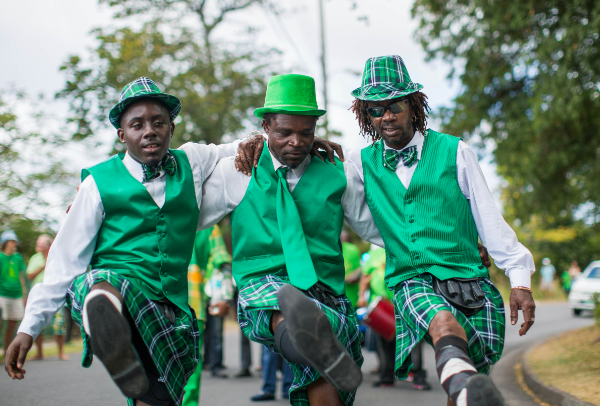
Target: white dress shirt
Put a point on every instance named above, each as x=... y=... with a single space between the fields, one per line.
x=226 y=187
x=497 y=236
x=74 y=245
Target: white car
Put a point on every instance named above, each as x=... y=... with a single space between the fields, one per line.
x=580 y=297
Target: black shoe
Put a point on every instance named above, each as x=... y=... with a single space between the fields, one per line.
x=244 y=373
x=218 y=373
x=110 y=336
x=263 y=397
x=382 y=384
x=313 y=337
x=419 y=382
x=481 y=391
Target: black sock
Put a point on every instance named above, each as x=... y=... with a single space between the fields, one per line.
x=454 y=366
x=285 y=346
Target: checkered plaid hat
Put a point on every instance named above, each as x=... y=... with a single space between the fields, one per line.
x=142 y=87
x=384 y=78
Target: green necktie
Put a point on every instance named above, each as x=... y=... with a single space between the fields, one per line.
x=298 y=262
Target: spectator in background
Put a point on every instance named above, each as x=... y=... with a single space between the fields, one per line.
x=352 y=265
x=547 y=277
x=271 y=363
x=567 y=281
x=574 y=270
x=209 y=252
x=35 y=274
x=373 y=278
x=13 y=290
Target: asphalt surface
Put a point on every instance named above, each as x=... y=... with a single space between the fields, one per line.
x=53 y=383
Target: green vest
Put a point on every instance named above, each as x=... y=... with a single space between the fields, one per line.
x=257 y=247
x=149 y=246
x=428 y=228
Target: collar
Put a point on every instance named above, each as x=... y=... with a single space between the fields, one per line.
x=135 y=168
x=417 y=140
x=298 y=171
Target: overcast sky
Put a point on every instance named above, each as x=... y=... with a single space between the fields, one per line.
x=38 y=35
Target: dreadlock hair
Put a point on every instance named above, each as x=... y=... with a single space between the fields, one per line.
x=418 y=106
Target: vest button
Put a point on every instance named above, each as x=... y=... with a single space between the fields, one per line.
x=411 y=220
x=164 y=254
x=413 y=239
x=409 y=201
x=161 y=216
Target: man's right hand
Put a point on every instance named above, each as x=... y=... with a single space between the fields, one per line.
x=16 y=354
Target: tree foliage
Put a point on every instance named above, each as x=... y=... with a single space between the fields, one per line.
x=29 y=168
x=219 y=83
x=531 y=84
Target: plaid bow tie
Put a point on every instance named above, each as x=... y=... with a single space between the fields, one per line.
x=391 y=157
x=167 y=164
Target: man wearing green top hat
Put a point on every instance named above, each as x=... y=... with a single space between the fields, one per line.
x=287 y=257
x=133 y=220
x=430 y=202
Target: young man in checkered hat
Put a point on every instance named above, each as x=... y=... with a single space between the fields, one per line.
x=430 y=203
x=134 y=220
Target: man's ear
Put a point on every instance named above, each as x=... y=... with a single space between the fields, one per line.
x=266 y=127
x=172 y=129
x=121 y=135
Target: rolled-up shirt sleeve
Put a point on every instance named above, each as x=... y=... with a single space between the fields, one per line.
x=69 y=256
x=495 y=233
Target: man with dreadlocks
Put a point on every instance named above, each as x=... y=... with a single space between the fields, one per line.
x=430 y=202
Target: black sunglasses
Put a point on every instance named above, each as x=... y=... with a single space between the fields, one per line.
x=379 y=111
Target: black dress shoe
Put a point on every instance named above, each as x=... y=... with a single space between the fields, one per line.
x=263 y=397
x=419 y=382
x=313 y=337
x=218 y=373
x=244 y=373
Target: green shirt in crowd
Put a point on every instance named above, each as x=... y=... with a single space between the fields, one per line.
x=375 y=266
x=35 y=262
x=11 y=268
x=351 y=264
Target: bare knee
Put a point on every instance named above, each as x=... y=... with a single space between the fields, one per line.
x=103 y=285
x=322 y=393
x=445 y=324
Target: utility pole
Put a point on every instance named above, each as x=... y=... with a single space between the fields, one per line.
x=324 y=67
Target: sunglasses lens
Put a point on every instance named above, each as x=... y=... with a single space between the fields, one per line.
x=376 y=111
x=397 y=107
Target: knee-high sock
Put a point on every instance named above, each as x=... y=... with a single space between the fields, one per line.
x=285 y=346
x=454 y=367
x=97 y=292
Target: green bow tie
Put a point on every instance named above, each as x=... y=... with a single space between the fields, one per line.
x=391 y=157
x=298 y=261
x=167 y=164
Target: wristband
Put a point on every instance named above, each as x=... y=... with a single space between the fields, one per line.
x=522 y=288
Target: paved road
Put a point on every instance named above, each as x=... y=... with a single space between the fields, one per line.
x=57 y=383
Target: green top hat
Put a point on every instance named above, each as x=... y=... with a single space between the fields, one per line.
x=385 y=78
x=141 y=88
x=290 y=94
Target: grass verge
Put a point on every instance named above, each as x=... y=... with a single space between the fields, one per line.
x=571 y=363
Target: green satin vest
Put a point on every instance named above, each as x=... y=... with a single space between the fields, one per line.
x=428 y=228
x=257 y=247
x=148 y=245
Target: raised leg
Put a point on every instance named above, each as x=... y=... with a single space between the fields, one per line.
x=322 y=393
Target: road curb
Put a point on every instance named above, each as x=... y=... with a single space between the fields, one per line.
x=547 y=393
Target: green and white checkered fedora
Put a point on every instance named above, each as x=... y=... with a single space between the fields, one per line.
x=141 y=88
x=384 y=78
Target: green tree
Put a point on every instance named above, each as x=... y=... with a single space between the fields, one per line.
x=30 y=168
x=219 y=83
x=530 y=83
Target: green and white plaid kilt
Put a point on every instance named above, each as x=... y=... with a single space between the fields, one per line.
x=258 y=300
x=416 y=304
x=174 y=347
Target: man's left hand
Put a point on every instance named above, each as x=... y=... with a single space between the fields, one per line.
x=220 y=309
x=521 y=299
x=248 y=153
x=329 y=147
x=485 y=258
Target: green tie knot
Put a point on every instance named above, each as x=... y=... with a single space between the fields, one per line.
x=282 y=172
